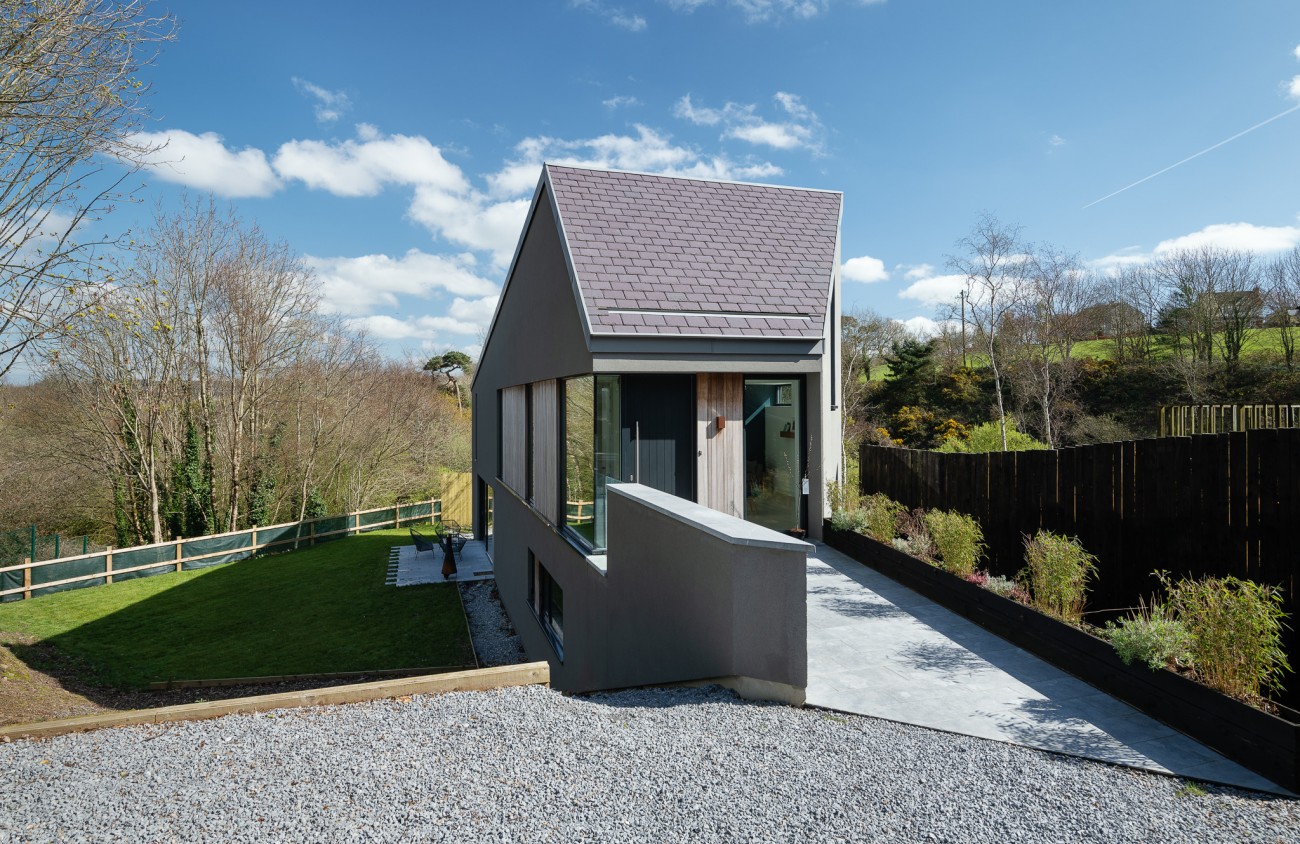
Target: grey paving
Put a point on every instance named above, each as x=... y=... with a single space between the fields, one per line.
x=409 y=567
x=878 y=648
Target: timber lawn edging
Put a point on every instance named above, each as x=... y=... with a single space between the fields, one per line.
x=481 y=679
x=1267 y=744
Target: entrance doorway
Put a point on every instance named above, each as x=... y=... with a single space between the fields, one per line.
x=773 y=459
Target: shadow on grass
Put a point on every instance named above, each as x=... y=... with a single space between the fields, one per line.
x=318 y=610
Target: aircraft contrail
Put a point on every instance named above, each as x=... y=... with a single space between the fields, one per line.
x=1195 y=155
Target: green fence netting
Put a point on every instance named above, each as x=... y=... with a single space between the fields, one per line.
x=62 y=571
x=224 y=549
x=330 y=525
x=210 y=550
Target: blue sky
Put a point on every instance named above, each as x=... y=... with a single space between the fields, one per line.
x=396 y=144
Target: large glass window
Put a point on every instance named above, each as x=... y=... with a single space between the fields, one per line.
x=591 y=454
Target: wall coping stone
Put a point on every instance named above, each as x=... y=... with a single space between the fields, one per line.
x=714 y=522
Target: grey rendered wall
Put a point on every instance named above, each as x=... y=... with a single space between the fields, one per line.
x=537 y=334
x=696 y=594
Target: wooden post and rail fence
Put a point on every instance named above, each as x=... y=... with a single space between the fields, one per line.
x=112 y=564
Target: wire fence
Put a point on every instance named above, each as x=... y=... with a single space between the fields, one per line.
x=30 y=578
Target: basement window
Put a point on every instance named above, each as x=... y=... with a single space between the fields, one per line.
x=547 y=601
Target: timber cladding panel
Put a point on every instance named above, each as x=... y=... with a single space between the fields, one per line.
x=1209 y=505
x=720 y=473
x=514 y=438
x=546 y=443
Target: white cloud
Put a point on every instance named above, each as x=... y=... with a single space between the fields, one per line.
x=620 y=102
x=802 y=129
x=935 y=290
x=864 y=269
x=206 y=163
x=922 y=328
x=1245 y=237
x=359 y=285
x=1297 y=51
x=424 y=327
x=618 y=17
x=330 y=105
x=362 y=167
x=1056 y=141
x=687 y=110
x=647 y=151
x=916 y=271
x=1294 y=88
x=492 y=227
x=759 y=11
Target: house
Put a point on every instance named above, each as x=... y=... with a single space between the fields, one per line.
x=656 y=416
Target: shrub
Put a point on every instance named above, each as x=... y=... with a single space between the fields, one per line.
x=914 y=538
x=957 y=539
x=841 y=496
x=849 y=520
x=1236 y=629
x=1152 y=636
x=1057 y=572
x=988 y=437
x=881 y=517
x=1006 y=587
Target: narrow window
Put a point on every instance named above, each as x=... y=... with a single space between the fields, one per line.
x=547 y=601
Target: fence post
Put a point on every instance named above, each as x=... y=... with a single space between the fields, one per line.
x=108 y=564
x=397 y=516
x=27 y=579
x=254 y=540
x=179 y=552
x=313 y=532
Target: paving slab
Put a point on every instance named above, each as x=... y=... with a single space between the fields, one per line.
x=877 y=648
x=410 y=567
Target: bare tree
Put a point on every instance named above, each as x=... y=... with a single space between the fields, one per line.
x=1283 y=297
x=262 y=308
x=1214 y=300
x=120 y=367
x=69 y=107
x=1054 y=291
x=993 y=262
x=1134 y=301
x=865 y=337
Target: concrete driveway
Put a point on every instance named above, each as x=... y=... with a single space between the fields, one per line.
x=877 y=648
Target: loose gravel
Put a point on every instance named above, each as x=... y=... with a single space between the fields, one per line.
x=495 y=640
x=530 y=764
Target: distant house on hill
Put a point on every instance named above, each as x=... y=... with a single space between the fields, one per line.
x=660 y=378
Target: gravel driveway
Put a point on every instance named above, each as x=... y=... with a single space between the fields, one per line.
x=529 y=764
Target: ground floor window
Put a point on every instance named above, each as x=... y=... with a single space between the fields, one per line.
x=547 y=600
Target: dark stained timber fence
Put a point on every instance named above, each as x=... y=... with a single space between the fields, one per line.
x=1213 y=504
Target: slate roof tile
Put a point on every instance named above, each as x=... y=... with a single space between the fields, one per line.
x=641 y=242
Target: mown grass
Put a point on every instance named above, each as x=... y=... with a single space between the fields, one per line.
x=318 y=610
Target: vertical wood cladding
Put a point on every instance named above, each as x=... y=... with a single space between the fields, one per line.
x=514 y=438
x=720 y=468
x=546 y=449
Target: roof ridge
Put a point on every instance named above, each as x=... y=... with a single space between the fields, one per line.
x=706 y=179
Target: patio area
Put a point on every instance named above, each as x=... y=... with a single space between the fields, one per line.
x=877 y=648
x=410 y=567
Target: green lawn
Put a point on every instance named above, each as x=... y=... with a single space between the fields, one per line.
x=319 y=610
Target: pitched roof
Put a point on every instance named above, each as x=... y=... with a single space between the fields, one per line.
x=672 y=256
